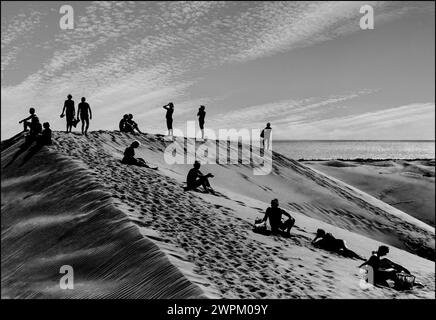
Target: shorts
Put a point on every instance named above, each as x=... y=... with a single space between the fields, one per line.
x=201 y=123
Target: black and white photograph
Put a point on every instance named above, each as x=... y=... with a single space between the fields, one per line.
x=243 y=151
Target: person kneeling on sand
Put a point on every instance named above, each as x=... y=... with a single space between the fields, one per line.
x=274 y=214
x=328 y=242
x=384 y=270
x=129 y=156
x=196 y=178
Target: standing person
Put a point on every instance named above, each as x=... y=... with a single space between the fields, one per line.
x=70 y=112
x=84 y=110
x=28 y=124
x=169 y=116
x=266 y=136
x=201 y=114
x=274 y=214
x=132 y=124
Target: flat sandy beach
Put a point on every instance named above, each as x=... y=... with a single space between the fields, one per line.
x=133 y=232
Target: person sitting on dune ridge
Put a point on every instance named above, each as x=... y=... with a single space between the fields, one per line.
x=274 y=214
x=132 y=124
x=196 y=178
x=28 y=124
x=123 y=124
x=328 y=242
x=44 y=138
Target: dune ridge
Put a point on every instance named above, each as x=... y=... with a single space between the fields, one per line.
x=74 y=222
x=207 y=239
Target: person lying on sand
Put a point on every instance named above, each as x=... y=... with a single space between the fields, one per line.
x=129 y=157
x=196 y=178
x=384 y=270
x=328 y=242
x=274 y=215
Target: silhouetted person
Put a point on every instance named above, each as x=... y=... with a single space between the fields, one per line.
x=274 y=215
x=123 y=123
x=266 y=136
x=328 y=242
x=169 y=116
x=84 y=110
x=70 y=112
x=26 y=123
x=196 y=178
x=35 y=130
x=384 y=269
x=129 y=156
x=133 y=125
x=201 y=115
x=45 y=136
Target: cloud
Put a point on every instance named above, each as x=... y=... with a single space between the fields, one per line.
x=128 y=55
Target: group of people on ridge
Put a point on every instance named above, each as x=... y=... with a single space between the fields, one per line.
x=41 y=134
x=384 y=269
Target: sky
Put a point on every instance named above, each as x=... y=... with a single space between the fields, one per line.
x=306 y=67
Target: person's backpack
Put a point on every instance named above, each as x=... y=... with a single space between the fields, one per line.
x=262 y=134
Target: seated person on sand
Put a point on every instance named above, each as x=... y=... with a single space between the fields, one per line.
x=132 y=124
x=384 y=270
x=129 y=156
x=196 y=178
x=44 y=138
x=35 y=130
x=274 y=214
x=328 y=242
x=26 y=122
x=123 y=123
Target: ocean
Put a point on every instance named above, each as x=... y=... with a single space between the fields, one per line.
x=356 y=149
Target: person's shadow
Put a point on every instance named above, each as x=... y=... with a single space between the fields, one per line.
x=26 y=146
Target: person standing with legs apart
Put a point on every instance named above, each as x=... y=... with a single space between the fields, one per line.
x=84 y=110
x=69 y=111
x=201 y=115
x=169 y=116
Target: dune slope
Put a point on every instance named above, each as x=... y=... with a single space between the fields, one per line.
x=207 y=238
x=54 y=213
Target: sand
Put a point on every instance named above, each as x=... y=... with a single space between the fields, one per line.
x=133 y=232
x=408 y=185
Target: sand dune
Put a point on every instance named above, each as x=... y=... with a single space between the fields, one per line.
x=134 y=232
x=404 y=184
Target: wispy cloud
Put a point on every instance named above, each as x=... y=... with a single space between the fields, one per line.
x=128 y=55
